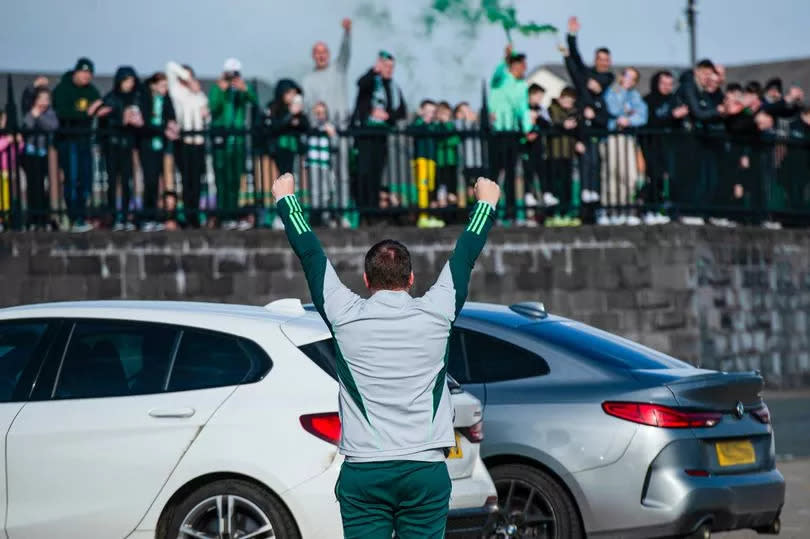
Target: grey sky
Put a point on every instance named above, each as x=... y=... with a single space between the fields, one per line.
x=273 y=37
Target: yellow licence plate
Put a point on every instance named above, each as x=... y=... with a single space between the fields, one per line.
x=734 y=453
x=455 y=452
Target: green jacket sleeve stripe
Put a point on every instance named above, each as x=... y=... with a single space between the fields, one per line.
x=468 y=247
x=306 y=246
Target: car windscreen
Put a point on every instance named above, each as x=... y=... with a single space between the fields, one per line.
x=601 y=347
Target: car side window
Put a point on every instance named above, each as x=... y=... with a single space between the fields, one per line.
x=456 y=364
x=205 y=359
x=494 y=360
x=322 y=353
x=18 y=343
x=115 y=358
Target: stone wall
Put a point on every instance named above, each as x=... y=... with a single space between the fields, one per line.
x=722 y=298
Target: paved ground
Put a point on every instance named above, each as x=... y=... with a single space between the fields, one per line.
x=791 y=423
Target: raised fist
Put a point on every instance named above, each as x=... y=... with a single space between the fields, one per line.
x=573 y=25
x=283 y=186
x=487 y=191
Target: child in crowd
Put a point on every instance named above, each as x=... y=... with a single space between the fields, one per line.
x=41 y=119
x=563 y=150
x=471 y=153
x=320 y=142
x=446 y=157
x=9 y=146
x=534 y=160
x=424 y=162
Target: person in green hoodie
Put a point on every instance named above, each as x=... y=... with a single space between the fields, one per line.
x=446 y=157
x=423 y=165
x=228 y=101
x=509 y=107
x=76 y=101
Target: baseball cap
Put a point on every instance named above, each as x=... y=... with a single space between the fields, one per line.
x=232 y=64
x=385 y=55
x=84 y=64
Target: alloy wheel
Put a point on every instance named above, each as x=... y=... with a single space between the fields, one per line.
x=524 y=511
x=226 y=517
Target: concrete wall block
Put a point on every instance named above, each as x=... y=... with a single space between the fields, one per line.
x=652 y=299
x=587 y=301
x=156 y=264
x=47 y=264
x=620 y=299
x=670 y=319
x=83 y=265
x=634 y=276
x=674 y=276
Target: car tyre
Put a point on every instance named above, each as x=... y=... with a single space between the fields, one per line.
x=552 y=512
x=246 y=505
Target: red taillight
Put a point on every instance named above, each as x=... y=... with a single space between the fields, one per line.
x=697 y=473
x=656 y=415
x=325 y=426
x=474 y=433
x=763 y=414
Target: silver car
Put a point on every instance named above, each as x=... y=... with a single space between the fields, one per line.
x=591 y=434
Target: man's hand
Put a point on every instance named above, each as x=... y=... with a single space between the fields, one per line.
x=485 y=190
x=680 y=112
x=346 y=24
x=589 y=113
x=594 y=86
x=239 y=84
x=508 y=52
x=570 y=123
x=283 y=186
x=623 y=121
x=573 y=25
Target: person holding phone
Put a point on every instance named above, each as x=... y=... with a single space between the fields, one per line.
x=228 y=101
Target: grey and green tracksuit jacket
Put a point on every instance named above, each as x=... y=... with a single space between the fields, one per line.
x=391 y=348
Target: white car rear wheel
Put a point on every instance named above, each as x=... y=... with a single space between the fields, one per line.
x=228 y=509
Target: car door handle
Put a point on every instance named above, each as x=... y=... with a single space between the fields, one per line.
x=177 y=412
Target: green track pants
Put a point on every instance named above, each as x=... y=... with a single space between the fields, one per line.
x=409 y=497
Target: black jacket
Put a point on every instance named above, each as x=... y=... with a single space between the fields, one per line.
x=661 y=106
x=580 y=73
x=702 y=104
x=278 y=121
x=120 y=101
x=780 y=108
x=146 y=103
x=393 y=100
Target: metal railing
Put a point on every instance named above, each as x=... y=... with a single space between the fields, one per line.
x=400 y=176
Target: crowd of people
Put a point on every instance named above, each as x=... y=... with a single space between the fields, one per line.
x=598 y=153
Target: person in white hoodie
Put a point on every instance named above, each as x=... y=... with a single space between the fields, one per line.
x=191 y=109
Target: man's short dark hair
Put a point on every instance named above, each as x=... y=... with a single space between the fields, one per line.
x=706 y=64
x=426 y=102
x=388 y=266
x=568 y=91
x=517 y=57
x=775 y=82
x=603 y=50
x=734 y=87
x=753 y=87
x=534 y=88
x=444 y=105
x=458 y=107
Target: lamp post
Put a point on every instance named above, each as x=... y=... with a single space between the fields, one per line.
x=691 y=13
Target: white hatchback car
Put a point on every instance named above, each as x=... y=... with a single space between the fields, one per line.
x=183 y=420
